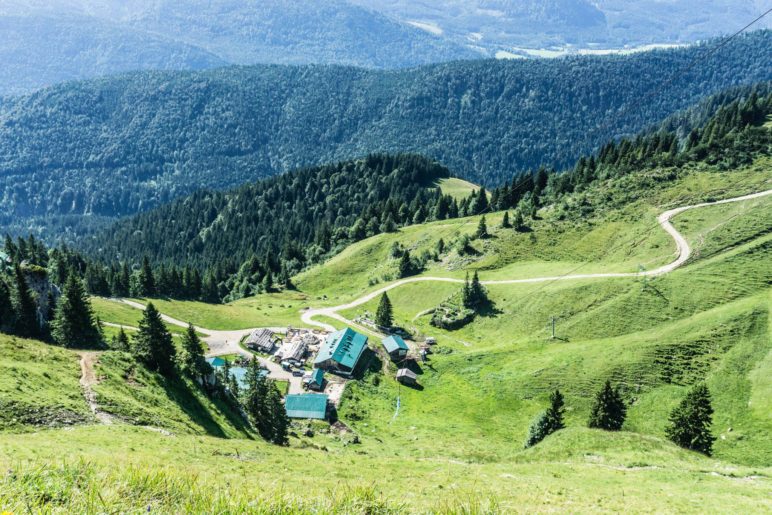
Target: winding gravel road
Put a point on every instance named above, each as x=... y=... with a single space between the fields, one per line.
x=683 y=251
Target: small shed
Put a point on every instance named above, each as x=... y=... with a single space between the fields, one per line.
x=308 y=405
x=261 y=340
x=395 y=347
x=216 y=362
x=407 y=376
x=314 y=380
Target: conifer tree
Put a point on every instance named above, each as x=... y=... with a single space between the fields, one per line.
x=548 y=421
x=519 y=222
x=384 y=316
x=268 y=282
x=278 y=413
x=480 y=202
x=153 y=344
x=6 y=309
x=609 y=410
x=192 y=360
x=474 y=294
x=690 y=421
x=482 y=229
x=555 y=411
x=405 y=265
x=255 y=400
x=120 y=342
x=74 y=324
x=440 y=246
x=24 y=306
x=538 y=431
x=505 y=221
x=146 y=280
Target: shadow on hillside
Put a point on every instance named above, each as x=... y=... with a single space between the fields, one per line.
x=489 y=310
x=182 y=394
x=369 y=362
x=413 y=366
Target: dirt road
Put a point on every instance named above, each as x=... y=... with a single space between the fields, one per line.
x=683 y=252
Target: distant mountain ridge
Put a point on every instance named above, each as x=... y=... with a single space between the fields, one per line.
x=46 y=42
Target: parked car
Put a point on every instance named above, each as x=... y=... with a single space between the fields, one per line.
x=297 y=373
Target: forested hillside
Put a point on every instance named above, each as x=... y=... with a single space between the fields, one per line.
x=271 y=230
x=116 y=146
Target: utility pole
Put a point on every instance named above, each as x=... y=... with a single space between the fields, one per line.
x=644 y=277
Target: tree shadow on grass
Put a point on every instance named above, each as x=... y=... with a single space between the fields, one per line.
x=488 y=309
x=182 y=394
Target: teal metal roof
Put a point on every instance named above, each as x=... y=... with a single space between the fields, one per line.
x=309 y=405
x=216 y=362
x=394 y=343
x=317 y=376
x=344 y=347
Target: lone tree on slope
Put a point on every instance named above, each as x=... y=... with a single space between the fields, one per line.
x=153 y=344
x=690 y=421
x=74 y=324
x=548 y=421
x=384 y=316
x=555 y=411
x=482 y=229
x=609 y=410
x=192 y=359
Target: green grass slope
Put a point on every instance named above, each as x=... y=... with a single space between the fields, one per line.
x=39 y=386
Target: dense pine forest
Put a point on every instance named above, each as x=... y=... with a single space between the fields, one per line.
x=116 y=146
x=273 y=229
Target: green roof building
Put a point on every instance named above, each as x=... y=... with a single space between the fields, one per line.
x=341 y=352
x=216 y=362
x=309 y=405
x=315 y=379
x=396 y=347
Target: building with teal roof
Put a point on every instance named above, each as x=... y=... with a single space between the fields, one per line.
x=216 y=362
x=395 y=347
x=307 y=405
x=315 y=379
x=341 y=352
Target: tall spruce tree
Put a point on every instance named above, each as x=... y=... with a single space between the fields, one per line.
x=153 y=344
x=74 y=324
x=146 y=280
x=482 y=229
x=555 y=411
x=192 y=360
x=278 y=413
x=121 y=342
x=255 y=400
x=690 y=421
x=505 y=221
x=609 y=410
x=24 y=306
x=6 y=309
x=384 y=316
x=405 y=265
